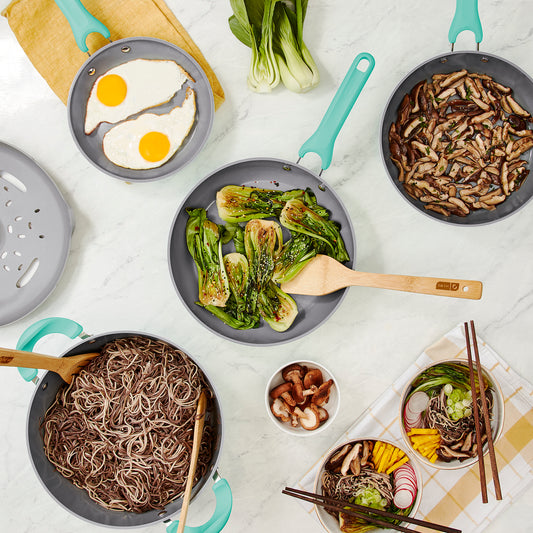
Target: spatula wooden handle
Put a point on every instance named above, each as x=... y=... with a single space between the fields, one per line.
x=455 y=288
x=29 y=360
x=197 y=439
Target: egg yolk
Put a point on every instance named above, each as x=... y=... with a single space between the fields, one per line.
x=154 y=146
x=111 y=90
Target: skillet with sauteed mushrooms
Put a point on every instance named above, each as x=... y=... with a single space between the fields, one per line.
x=459 y=143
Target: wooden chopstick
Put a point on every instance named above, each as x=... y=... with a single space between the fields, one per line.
x=486 y=418
x=475 y=407
x=360 y=511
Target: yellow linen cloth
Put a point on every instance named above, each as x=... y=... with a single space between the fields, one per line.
x=45 y=35
x=453 y=497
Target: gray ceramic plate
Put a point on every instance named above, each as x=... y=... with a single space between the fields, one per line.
x=269 y=174
x=120 y=52
x=35 y=231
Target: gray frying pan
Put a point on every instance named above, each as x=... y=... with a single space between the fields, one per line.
x=504 y=72
x=116 y=53
x=76 y=500
x=272 y=173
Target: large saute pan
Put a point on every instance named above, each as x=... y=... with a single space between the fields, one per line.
x=271 y=173
x=62 y=490
x=466 y=18
x=116 y=53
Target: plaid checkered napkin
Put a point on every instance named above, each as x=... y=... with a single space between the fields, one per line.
x=452 y=497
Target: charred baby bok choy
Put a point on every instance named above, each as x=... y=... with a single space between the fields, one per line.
x=273 y=29
x=203 y=243
x=242 y=287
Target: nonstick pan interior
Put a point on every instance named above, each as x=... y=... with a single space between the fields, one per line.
x=503 y=72
x=267 y=174
x=66 y=493
x=120 y=52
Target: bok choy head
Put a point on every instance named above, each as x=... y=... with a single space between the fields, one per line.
x=277 y=308
x=238 y=203
x=297 y=217
x=296 y=253
x=273 y=29
x=203 y=242
x=263 y=240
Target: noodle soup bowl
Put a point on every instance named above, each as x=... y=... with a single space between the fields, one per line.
x=331 y=406
x=330 y=522
x=62 y=490
x=496 y=420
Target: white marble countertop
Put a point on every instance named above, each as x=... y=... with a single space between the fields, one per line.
x=117 y=278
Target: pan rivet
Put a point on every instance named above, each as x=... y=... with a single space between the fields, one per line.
x=44 y=386
x=287 y=167
x=125 y=49
x=444 y=60
x=485 y=59
x=91 y=72
x=162 y=513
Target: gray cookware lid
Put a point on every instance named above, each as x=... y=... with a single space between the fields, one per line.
x=35 y=231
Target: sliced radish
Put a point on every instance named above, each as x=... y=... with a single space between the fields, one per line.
x=405 y=486
x=414 y=408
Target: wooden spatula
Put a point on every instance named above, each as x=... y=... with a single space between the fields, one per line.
x=66 y=367
x=197 y=439
x=323 y=275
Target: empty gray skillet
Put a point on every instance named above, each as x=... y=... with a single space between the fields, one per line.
x=115 y=53
x=504 y=72
x=35 y=231
x=271 y=173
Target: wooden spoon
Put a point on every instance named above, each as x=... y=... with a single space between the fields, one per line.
x=323 y=275
x=66 y=367
x=197 y=439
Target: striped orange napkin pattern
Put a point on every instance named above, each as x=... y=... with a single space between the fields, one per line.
x=452 y=497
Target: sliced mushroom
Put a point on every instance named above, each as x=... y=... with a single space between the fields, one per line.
x=309 y=418
x=280 y=389
x=349 y=458
x=313 y=377
x=293 y=373
x=321 y=396
x=338 y=457
x=281 y=410
x=323 y=415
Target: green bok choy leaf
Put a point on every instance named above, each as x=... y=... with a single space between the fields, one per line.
x=297 y=217
x=203 y=242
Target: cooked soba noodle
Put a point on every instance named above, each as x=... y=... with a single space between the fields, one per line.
x=123 y=429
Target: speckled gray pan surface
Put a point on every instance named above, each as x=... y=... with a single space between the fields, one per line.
x=35 y=232
x=503 y=72
x=77 y=500
x=127 y=50
x=268 y=174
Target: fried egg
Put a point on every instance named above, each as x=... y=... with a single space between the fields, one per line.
x=130 y=88
x=150 y=140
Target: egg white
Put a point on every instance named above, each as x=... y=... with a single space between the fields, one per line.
x=150 y=82
x=121 y=143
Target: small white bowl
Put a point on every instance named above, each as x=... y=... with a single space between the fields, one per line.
x=332 y=406
x=329 y=522
x=496 y=423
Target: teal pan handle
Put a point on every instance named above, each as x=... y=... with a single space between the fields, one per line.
x=466 y=18
x=323 y=140
x=82 y=23
x=40 y=329
x=221 y=515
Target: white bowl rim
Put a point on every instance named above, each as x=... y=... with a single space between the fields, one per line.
x=407 y=452
x=454 y=464
x=285 y=426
